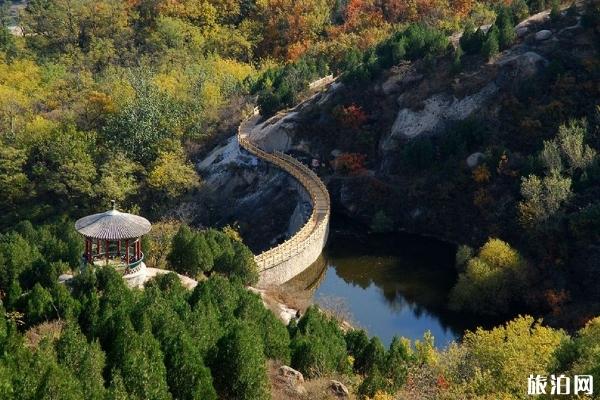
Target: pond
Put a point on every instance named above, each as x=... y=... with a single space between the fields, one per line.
x=389 y=284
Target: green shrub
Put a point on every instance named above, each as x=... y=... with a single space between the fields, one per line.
x=463 y=254
x=193 y=252
x=536 y=6
x=472 y=39
x=554 y=10
x=373 y=383
x=356 y=343
x=318 y=345
x=240 y=365
x=491 y=46
x=520 y=10
x=399 y=359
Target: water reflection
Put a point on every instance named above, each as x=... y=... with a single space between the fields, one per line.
x=391 y=285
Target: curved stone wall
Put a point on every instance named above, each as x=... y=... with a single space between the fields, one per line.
x=288 y=259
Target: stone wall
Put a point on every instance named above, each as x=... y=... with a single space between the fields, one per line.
x=288 y=259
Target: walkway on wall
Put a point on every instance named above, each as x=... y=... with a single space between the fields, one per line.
x=316 y=228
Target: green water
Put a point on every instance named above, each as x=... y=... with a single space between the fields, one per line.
x=393 y=284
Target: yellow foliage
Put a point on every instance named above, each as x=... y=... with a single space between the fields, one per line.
x=172 y=175
x=211 y=95
x=498 y=253
x=381 y=395
x=22 y=75
x=37 y=129
x=507 y=354
x=173 y=83
x=481 y=174
x=232 y=233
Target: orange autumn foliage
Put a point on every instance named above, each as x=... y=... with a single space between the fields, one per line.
x=352 y=116
x=350 y=163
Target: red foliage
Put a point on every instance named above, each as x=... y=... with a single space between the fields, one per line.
x=442 y=383
x=350 y=163
x=556 y=300
x=362 y=13
x=352 y=117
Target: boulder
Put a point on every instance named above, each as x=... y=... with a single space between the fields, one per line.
x=64 y=278
x=290 y=375
x=474 y=159
x=544 y=34
x=519 y=67
x=292 y=380
x=522 y=31
x=338 y=388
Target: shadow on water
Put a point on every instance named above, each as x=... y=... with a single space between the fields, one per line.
x=390 y=284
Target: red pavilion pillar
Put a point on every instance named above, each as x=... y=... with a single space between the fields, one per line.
x=127 y=252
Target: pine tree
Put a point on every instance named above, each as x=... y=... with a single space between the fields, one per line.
x=180 y=247
x=555 y=10
x=491 y=46
x=240 y=370
x=85 y=360
x=116 y=390
x=506 y=29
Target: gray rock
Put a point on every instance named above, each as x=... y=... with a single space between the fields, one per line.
x=290 y=375
x=543 y=35
x=474 y=159
x=522 y=31
x=437 y=110
x=292 y=379
x=516 y=68
x=338 y=388
x=64 y=278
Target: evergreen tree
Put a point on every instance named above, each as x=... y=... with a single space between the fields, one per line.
x=506 y=29
x=318 y=345
x=39 y=305
x=84 y=360
x=399 y=358
x=180 y=248
x=536 y=6
x=356 y=343
x=187 y=376
x=116 y=390
x=472 y=39
x=205 y=257
x=374 y=356
x=140 y=360
x=58 y=384
x=520 y=10
x=554 y=10
x=491 y=46
x=239 y=368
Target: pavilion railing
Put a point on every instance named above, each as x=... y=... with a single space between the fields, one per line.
x=117 y=260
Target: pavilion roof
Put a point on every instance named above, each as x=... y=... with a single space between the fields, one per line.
x=113 y=225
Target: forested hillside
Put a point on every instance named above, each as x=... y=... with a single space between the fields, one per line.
x=494 y=142
x=116 y=100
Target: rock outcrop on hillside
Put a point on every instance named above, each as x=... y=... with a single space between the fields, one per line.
x=506 y=105
x=412 y=101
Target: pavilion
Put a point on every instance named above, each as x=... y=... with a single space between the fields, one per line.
x=113 y=238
